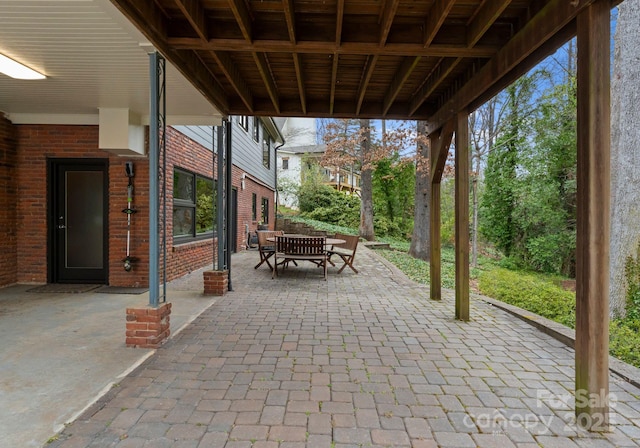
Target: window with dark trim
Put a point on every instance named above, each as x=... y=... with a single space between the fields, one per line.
x=285 y=163
x=256 y=129
x=266 y=152
x=243 y=121
x=265 y=211
x=254 y=206
x=193 y=205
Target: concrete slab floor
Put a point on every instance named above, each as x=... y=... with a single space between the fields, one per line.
x=60 y=352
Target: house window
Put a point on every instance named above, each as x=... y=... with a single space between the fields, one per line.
x=266 y=152
x=285 y=163
x=193 y=205
x=256 y=129
x=254 y=206
x=265 y=211
x=243 y=121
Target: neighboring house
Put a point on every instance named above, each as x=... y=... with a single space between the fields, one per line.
x=297 y=155
x=68 y=141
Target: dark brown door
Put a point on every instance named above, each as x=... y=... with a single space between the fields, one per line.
x=78 y=222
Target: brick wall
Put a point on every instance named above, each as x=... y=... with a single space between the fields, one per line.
x=8 y=200
x=38 y=143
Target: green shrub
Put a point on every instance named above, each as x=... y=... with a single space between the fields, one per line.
x=540 y=296
x=632 y=277
x=624 y=340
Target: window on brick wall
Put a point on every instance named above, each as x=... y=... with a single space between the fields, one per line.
x=254 y=206
x=193 y=205
x=265 y=211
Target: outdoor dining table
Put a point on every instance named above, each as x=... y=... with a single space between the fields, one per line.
x=300 y=251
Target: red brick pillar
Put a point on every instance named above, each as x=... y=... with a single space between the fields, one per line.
x=148 y=327
x=216 y=283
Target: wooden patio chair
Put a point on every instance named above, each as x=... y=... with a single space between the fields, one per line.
x=313 y=249
x=266 y=249
x=346 y=251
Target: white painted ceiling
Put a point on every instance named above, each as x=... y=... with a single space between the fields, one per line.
x=93 y=58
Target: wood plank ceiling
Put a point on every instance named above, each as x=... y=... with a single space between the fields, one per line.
x=401 y=59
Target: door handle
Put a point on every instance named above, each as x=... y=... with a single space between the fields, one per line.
x=61 y=226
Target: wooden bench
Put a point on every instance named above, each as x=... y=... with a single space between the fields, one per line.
x=292 y=248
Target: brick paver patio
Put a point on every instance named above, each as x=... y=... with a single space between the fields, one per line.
x=358 y=360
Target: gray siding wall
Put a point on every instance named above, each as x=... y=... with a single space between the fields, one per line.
x=246 y=153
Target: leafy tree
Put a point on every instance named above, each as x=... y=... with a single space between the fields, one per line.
x=499 y=199
x=352 y=143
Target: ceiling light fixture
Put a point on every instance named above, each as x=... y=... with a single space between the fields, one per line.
x=16 y=70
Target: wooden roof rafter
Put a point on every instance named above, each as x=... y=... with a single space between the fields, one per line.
x=336 y=56
x=386 y=19
x=367 y=73
x=243 y=19
x=343 y=58
x=195 y=14
x=435 y=19
x=316 y=47
x=290 y=19
x=477 y=26
x=545 y=25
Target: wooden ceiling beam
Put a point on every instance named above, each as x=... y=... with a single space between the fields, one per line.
x=233 y=75
x=339 y=21
x=485 y=17
x=555 y=16
x=364 y=81
x=241 y=13
x=389 y=13
x=289 y=15
x=400 y=77
x=297 y=65
x=437 y=15
x=194 y=12
x=444 y=68
x=146 y=16
x=193 y=69
x=334 y=79
x=315 y=47
x=265 y=72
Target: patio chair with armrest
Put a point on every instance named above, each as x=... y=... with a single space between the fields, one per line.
x=346 y=251
x=266 y=249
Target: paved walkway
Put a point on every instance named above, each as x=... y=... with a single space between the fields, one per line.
x=60 y=351
x=358 y=360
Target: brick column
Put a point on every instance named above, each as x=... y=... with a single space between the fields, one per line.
x=216 y=283
x=148 y=327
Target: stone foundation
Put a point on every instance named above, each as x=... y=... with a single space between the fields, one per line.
x=216 y=283
x=148 y=327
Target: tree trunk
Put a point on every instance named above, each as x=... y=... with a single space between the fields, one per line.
x=366 y=203
x=625 y=156
x=420 y=244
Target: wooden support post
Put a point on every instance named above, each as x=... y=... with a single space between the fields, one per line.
x=439 y=143
x=435 y=245
x=593 y=221
x=462 y=216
